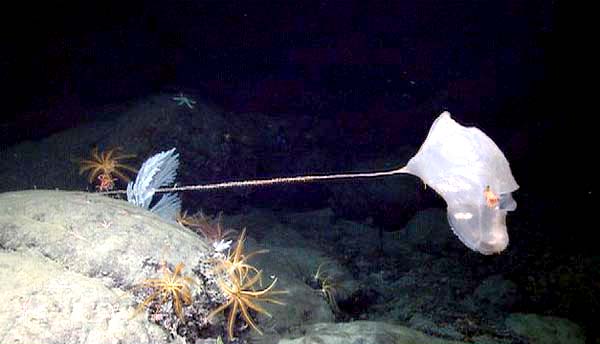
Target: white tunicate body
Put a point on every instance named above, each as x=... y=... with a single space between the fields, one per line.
x=460 y=163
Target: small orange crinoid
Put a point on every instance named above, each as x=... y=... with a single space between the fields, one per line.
x=172 y=286
x=237 y=280
x=103 y=166
x=211 y=229
x=242 y=296
x=326 y=285
x=237 y=262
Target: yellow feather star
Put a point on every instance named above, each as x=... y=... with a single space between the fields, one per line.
x=237 y=282
x=172 y=286
x=106 y=163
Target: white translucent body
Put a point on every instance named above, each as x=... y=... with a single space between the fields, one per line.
x=460 y=163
